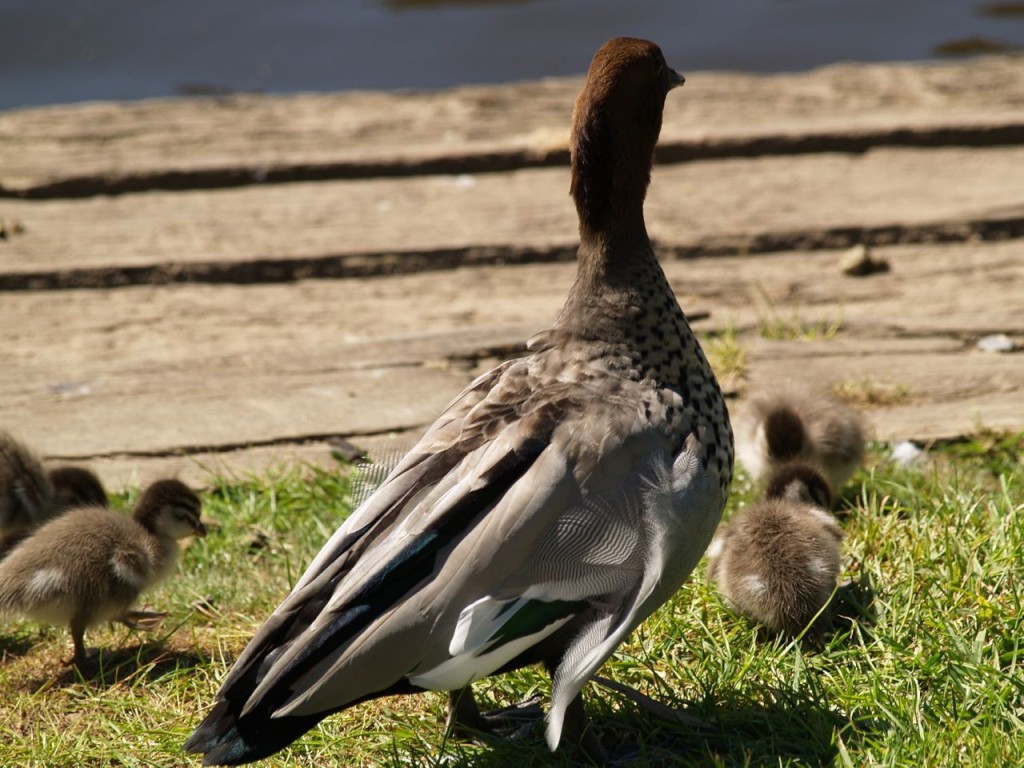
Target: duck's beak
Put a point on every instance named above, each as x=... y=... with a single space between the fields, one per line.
x=200 y=530
x=675 y=79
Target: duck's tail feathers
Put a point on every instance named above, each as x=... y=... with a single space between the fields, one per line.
x=226 y=739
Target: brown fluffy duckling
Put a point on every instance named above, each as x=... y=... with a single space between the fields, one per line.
x=90 y=564
x=795 y=423
x=777 y=561
x=26 y=494
x=29 y=496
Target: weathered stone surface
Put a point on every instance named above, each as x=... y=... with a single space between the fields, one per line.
x=252 y=365
x=247 y=139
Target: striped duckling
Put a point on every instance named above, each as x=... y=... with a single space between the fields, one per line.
x=553 y=505
x=777 y=561
x=792 y=422
x=90 y=564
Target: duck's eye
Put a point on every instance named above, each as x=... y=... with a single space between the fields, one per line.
x=659 y=66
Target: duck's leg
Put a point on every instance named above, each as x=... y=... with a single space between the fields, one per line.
x=652 y=706
x=465 y=719
x=463 y=713
x=577 y=729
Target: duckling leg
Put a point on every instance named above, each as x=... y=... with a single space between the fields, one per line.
x=77 y=628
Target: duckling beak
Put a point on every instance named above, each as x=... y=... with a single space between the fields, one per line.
x=200 y=530
x=675 y=79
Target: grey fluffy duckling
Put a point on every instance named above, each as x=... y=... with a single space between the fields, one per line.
x=90 y=564
x=777 y=561
x=792 y=422
x=554 y=504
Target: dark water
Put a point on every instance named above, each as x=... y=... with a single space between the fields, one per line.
x=72 y=50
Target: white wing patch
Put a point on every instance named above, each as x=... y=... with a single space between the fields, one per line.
x=478 y=625
x=717 y=545
x=127 y=573
x=45 y=584
x=755 y=585
x=480 y=622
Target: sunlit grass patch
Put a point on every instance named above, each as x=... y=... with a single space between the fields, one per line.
x=787 y=324
x=867 y=392
x=929 y=673
x=727 y=356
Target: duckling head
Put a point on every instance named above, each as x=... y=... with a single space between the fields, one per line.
x=170 y=508
x=76 y=487
x=800 y=483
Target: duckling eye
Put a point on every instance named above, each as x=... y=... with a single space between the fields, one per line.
x=184 y=515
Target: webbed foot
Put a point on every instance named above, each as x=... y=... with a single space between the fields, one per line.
x=142 y=620
x=466 y=721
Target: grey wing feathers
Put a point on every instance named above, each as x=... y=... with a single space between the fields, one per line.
x=448 y=479
x=418 y=472
x=489 y=507
x=659 y=506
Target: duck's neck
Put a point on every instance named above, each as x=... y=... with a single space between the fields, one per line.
x=617 y=276
x=611 y=170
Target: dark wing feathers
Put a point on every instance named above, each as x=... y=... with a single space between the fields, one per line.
x=236 y=730
x=261 y=680
x=406 y=569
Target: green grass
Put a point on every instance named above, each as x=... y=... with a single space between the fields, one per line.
x=777 y=325
x=927 y=673
x=866 y=392
x=727 y=355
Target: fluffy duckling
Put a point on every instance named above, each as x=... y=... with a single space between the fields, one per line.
x=90 y=564
x=29 y=495
x=69 y=487
x=794 y=423
x=554 y=504
x=76 y=487
x=777 y=561
x=26 y=494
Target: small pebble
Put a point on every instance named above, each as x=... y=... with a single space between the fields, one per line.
x=906 y=453
x=343 y=450
x=997 y=342
x=858 y=262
